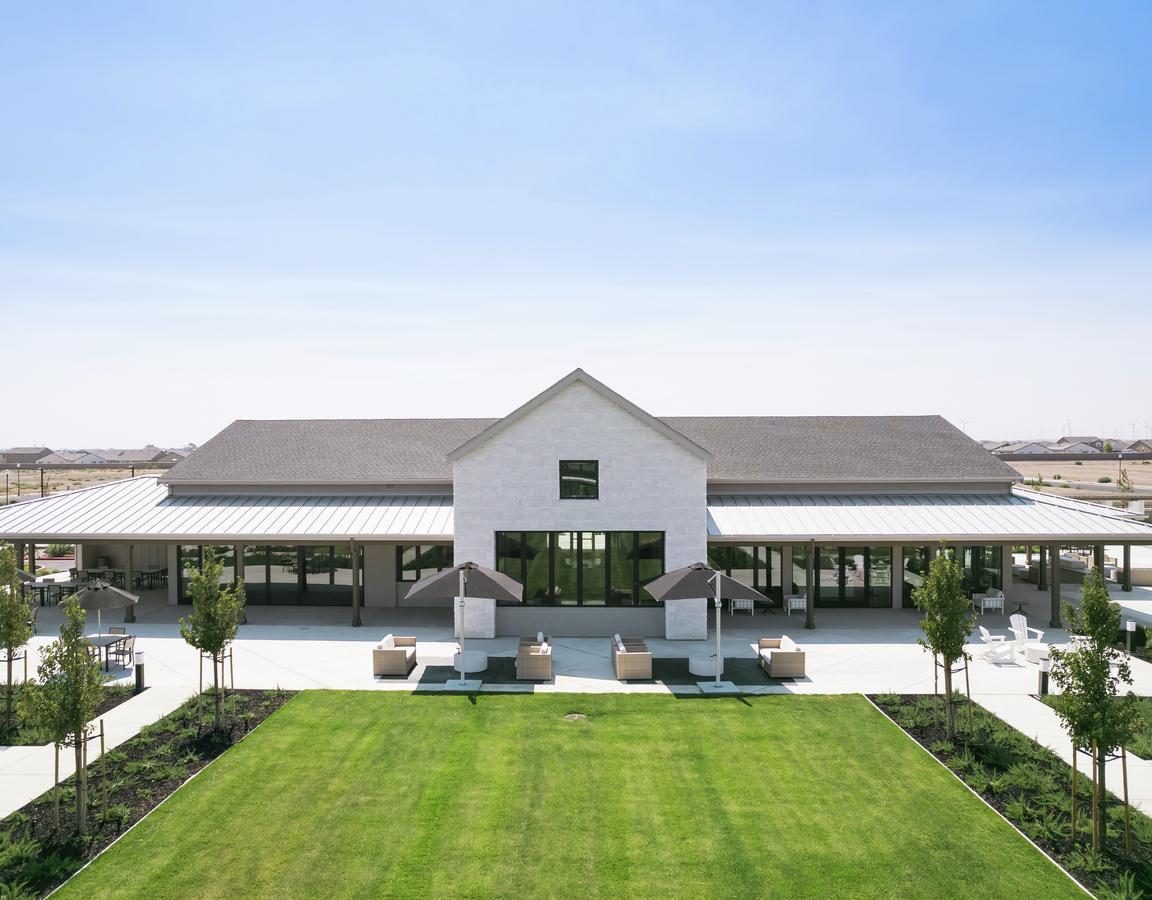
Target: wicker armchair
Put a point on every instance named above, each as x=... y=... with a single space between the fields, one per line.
x=631 y=659
x=394 y=656
x=534 y=660
x=780 y=657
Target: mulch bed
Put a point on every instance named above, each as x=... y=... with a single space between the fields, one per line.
x=141 y=772
x=1031 y=787
x=111 y=697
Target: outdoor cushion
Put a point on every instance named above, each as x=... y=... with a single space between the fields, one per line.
x=540 y=636
x=409 y=652
x=620 y=644
x=616 y=638
x=544 y=647
x=389 y=642
x=786 y=643
x=766 y=653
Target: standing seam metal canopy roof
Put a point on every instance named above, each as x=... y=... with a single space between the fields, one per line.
x=140 y=508
x=918 y=517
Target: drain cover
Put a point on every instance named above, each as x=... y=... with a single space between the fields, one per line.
x=575 y=717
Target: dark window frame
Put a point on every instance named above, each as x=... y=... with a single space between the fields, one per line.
x=637 y=598
x=421 y=549
x=572 y=481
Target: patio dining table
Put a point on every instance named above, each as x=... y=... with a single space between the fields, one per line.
x=104 y=643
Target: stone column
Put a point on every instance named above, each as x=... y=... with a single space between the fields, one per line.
x=129 y=572
x=897 y=576
x=810 y=586
x=1054 y=578
x=1126 y=573
x=355 y=585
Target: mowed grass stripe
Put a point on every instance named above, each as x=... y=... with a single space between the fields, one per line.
x=359 y=793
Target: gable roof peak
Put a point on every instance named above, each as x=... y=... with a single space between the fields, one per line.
x=579 y=375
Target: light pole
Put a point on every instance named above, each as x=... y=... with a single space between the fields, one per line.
x=1130 y=629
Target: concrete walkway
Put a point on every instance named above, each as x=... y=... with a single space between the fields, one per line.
x=1039 y=722
x=27 y=772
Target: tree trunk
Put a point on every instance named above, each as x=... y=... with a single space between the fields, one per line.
x=949 y=711
x=216 y=666
x=81 y=787
x=8 y=697
x=1096 y=798
x=1099 y=823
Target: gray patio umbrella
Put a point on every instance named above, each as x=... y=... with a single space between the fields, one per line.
x=100 y=595
x=462 y=581
x=25 y=577
x=699 y=580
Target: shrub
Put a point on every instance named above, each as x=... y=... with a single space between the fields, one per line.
x=1077 y=463
x=60 y=549
x=1104 y=479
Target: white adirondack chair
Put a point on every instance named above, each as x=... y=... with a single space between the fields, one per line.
x=1023 y=632
x=998 y=647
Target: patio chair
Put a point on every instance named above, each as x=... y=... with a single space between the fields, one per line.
x=124 y=650
x=631 y=659
x=994 y=599
x=117 y=629
x=534 y=661
x=1020 y=628
x=394 y=656
x=780 y=657
x=795 y=602
x=998 y=647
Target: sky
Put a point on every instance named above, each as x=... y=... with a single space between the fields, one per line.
x=213 y=211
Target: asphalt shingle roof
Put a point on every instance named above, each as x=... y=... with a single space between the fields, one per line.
x=751 y=448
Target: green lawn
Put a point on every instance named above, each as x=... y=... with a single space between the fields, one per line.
x=359 y=794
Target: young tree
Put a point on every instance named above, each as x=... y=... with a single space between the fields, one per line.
x=66 y=694
x=216 y=610
x=15 y=620
x=1096 y=715
x=948 y=620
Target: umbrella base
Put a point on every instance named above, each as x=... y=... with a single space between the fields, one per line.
x=723 y=688
x=468 y=684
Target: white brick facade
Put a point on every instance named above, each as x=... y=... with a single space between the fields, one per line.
x=647 y=481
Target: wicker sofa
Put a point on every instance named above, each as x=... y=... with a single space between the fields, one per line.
x=534 y=659
x=394 y=655
x=780 y=657
x=631 y=659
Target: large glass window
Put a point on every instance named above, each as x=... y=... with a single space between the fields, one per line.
x=191 y=558
x=756 y=565
x=581 y=568
x=579 y=479
x=915 y=568
x=283 y=574
x=982 y=568
x=854 y=576
x=414 y=562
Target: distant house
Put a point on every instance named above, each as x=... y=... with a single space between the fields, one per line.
x=1090 y=439
x=24 y=455
x=83 y=457
x=992 y=445
x=1137 y=446
x=1074 y=448
x=149 y=454
x=1027 y=447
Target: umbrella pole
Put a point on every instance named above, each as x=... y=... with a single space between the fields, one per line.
x=719 y=658
x=99 y=624
x=463 y=589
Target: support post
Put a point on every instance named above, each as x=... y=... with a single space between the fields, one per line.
x=809 y=586
x=1098 y=558
x=1054 y=579
x=1042 y=580
x=1126 y=573
x=238 y=573
x=355 y=584
x=129 y=574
